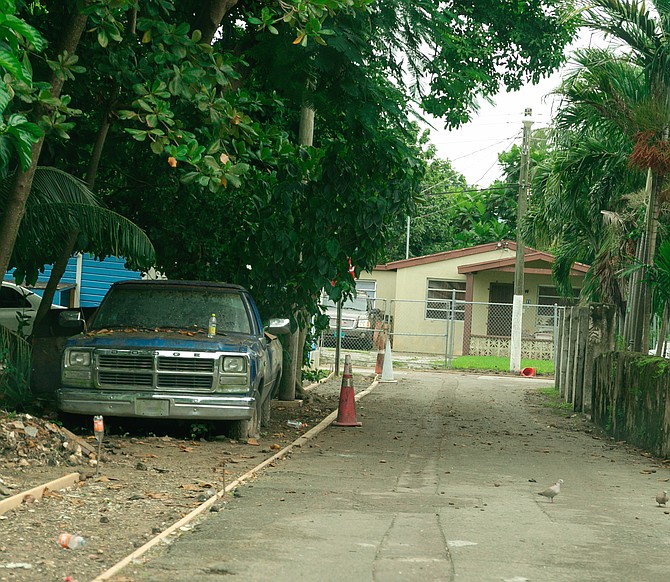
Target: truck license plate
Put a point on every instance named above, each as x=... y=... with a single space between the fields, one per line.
x=150 y=407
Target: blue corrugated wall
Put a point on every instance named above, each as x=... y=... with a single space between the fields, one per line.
x=96 y=277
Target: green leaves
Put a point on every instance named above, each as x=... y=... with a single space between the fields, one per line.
x=17 y=135
x=66 y=66
x=306 y=18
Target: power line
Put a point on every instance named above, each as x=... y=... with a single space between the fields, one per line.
x=486 y=148
x=505 y=187
x=487 y=171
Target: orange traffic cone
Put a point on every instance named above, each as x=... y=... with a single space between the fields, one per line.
x=346 y=413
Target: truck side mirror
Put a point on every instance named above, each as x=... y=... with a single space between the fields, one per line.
x=278 y=326
x=71 y=319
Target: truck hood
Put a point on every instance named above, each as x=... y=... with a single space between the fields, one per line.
x=170 y=340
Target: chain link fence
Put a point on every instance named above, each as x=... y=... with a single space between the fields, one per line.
x=361 y=325
x=437 y=331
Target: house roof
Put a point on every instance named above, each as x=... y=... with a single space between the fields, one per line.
x=445 y=256
x=534 y=261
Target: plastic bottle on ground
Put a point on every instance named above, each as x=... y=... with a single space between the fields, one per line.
x=72 y=541
x=98 y=427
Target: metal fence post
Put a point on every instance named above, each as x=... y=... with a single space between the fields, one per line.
x=555 y=338
x=446 y=336
x=452 y=330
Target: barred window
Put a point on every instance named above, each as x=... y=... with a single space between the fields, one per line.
x=547 y=298
x=550 y=296
x=367 y=286
x=439 y=296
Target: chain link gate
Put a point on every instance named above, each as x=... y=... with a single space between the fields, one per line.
x=452 y=328
x=432 y=333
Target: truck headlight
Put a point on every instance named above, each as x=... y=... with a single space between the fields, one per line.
x=79 y=358
x=234 y=364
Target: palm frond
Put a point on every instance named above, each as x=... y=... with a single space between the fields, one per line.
x=628 y=21
x=54 y=185
x=59 y=204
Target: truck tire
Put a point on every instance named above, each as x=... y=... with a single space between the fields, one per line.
x=241 y=430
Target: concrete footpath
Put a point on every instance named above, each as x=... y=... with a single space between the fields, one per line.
x=440 y=483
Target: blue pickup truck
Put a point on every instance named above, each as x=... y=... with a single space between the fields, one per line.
x=146 y=353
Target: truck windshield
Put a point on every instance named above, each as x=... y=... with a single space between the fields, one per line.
x=188 y=309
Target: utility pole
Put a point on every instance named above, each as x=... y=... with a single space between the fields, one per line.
x=407 y=239
x=517 y=304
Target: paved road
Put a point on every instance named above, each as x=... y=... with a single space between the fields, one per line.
x=440 y=483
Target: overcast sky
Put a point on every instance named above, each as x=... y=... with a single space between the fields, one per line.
x=473 y=149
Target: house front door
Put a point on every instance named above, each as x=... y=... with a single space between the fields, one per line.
x=500 y=316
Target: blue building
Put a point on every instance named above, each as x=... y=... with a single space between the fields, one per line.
x=86 y=280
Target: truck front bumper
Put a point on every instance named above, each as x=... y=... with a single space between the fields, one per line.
x=158 y=405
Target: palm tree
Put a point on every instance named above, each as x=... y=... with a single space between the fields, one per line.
x=611 y=130
x=59 y=205
x=641 y=36
x=586 y=174
x=658 y=278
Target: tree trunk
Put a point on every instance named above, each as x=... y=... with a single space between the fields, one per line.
x=651 y=234
x=23 y=181
x=56 y=275
x=633 y=315
x=638 y=316
x=289 y=377
x=662 y=333
x=16 y=208
x=297 y=339
x=208 y=19
x=306 y=130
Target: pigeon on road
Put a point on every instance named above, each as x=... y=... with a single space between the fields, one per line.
x=662 y=498
x=552 y=491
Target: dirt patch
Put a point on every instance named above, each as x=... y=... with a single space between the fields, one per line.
x=146 y=481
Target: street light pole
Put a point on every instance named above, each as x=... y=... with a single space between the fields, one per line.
x=517 y=304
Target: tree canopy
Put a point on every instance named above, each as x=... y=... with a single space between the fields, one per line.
x=187 y=113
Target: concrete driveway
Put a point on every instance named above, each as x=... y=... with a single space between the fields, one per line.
x=440 y=483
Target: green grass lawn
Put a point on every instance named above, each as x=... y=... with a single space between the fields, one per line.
x=500 y=364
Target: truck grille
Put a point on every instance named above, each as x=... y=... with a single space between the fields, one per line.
x=185 y=364
x=134 y=362
x=124 y=378
x=128 y=370
x=184 y=381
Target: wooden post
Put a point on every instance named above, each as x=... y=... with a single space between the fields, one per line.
x=569 y=359
x=565 y=343
x=601 y=333
x=558 y=348
x=580 y=352
x=467 y=316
